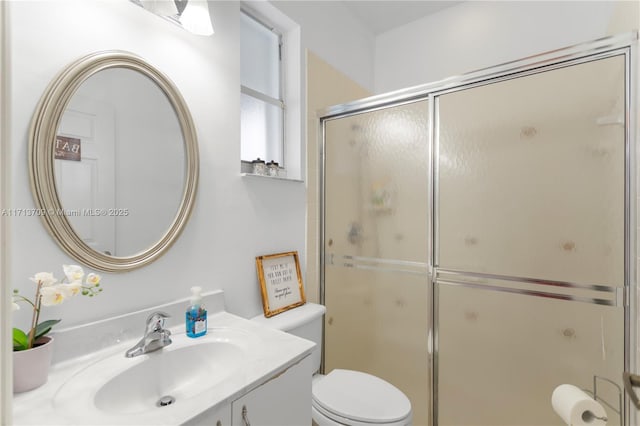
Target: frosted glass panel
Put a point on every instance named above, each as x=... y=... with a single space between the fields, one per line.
x=261 y=130
x=376 y=242
x=259 y=57
x=531 y=176
x=500 y=356
x=376 y=183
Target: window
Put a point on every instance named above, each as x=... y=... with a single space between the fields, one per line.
x=262 y=107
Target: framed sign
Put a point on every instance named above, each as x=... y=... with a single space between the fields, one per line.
x=280 y=282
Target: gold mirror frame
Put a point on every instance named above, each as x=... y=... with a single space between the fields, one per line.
x=42 y=135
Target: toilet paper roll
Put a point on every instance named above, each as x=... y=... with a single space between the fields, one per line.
x=577 y=408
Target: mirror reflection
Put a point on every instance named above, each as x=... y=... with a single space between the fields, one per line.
x=120 y=162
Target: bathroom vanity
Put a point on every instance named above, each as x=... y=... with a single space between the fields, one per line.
x=279 y=401
x=239 y=373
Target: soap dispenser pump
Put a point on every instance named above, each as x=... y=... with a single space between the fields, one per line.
x=196 y=315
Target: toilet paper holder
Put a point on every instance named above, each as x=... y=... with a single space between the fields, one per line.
x=595 y=395
x=630 y=381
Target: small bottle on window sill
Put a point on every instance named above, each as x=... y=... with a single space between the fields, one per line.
x=273 y=168
x=259 y=167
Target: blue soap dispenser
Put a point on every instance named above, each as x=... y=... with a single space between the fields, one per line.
x=196 y=315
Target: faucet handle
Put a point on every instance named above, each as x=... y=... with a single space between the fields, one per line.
x=155 y=322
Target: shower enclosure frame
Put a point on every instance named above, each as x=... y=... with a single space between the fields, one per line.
x=626 y=296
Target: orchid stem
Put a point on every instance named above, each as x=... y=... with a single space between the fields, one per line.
x=24 y=299
x=35 y=317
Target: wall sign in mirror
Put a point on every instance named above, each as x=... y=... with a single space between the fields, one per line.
x=280 y=282
x=68 y=148
x=113 y=160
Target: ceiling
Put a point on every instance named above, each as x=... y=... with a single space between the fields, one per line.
x=382 y=16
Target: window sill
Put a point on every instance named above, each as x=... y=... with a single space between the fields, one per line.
x=252 y=175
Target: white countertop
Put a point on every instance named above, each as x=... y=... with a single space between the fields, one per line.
x=269 y=353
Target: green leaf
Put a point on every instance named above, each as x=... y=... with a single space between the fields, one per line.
x=44 y=327
x=19 y=340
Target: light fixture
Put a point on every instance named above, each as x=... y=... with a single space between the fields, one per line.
x=192 y=15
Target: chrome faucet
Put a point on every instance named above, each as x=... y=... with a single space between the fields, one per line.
x=155 y=336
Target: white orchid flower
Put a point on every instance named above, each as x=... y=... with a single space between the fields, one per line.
x=71 y=289
x=73 y=272
x=45 y=278
x=52 y=295
x=93 y=279
x=14 y=307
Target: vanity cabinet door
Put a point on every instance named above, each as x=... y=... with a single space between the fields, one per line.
x=284 y=400
x=215 y=416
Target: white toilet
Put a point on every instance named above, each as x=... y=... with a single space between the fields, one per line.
x=342 y=397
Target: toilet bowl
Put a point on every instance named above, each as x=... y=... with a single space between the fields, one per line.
x=342 y=397
x=347 y=397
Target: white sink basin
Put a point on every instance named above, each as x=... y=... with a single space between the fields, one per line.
x=178 y=373
x=171 y=375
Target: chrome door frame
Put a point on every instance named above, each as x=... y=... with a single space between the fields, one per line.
x=622 y=44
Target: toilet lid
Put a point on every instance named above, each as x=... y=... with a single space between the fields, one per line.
x=361 y=396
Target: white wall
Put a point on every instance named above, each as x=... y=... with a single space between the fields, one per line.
x=234 y=220
x=480 y=34
x=331 y=32
x=5 y=310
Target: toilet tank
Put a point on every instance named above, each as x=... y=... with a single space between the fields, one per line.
x=304 y=321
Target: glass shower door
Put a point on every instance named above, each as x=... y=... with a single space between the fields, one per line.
x=375 y=248
x=530 y=244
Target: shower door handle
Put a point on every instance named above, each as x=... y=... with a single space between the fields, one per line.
x=631 y=380
x=245 y=416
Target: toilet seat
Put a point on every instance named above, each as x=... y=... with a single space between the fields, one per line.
x=357 y=398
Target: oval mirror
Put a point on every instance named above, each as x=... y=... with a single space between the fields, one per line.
x=113 y=161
